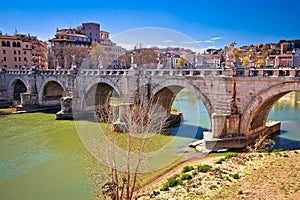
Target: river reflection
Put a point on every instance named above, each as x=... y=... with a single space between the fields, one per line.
x=287 y=110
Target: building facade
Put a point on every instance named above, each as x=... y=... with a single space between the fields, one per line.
x=91 y=30
x=70 y=47
x=22 y=51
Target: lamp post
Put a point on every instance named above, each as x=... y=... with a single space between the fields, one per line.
x=293 y=58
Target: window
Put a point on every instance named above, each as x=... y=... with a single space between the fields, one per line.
x=14 y=44
x=4 y=51
x=16 y=66
x=15 y=59
x=19 y=52
x=4 y=58
x=3 y=43
x=18 y=44
x=26 y=45
x=19 y=59
x=25 y=59
x=8 y=43
x=15 y=52
x=24 y=52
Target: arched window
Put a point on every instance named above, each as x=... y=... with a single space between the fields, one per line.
x=8 y=44
x=18 y=44
x=3 y=43
x=14 y=44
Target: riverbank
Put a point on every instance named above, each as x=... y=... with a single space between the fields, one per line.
x=237 y=176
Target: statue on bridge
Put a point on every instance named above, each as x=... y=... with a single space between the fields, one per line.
x=229 y=50
x=73 y=65
x=100 y=62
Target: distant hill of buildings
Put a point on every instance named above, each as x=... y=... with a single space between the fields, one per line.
x=90 y=47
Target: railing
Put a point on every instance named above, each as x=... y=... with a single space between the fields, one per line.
x=103 y=71
x=42 y=72
x=259 y=72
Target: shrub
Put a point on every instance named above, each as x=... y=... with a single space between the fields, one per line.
x=236 y=176
x=220 y=161
x=186 y=177
x=230 y=155
x=153 y=194
x=172 y=182
x=213 y=187
x=165 y=187
x=187 y=169
x=240 y=192
x=203 y=168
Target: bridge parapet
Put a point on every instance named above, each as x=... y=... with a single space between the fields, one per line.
x=17 y=71
x=103 y=72
x=263 y=72
x=267 y=72
x=54 y=72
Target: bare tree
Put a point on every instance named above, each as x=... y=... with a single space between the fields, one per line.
x=127 y=160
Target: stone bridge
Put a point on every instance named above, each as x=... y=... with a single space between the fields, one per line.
x=237 y=101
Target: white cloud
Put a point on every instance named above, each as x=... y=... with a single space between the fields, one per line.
x=208 y=41
x=216 y=38
x=191 y=42
x=167 y=41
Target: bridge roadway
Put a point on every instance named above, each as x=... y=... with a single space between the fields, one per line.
x=238 y=101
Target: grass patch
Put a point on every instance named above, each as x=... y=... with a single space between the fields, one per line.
x=226 y=157
x=230 y=155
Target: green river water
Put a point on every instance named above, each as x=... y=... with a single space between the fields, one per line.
x=41 y=158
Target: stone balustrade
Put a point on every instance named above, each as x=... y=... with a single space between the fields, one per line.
x=265 y=72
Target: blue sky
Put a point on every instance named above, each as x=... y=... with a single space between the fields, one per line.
x=210 y=23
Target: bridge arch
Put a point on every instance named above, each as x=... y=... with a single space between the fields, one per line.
x=16 y=86
x=98 y=93
x=51 y=92
x=166 y=92
x=256 y=112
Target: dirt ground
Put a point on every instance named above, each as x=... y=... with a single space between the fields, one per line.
x=258 y=176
